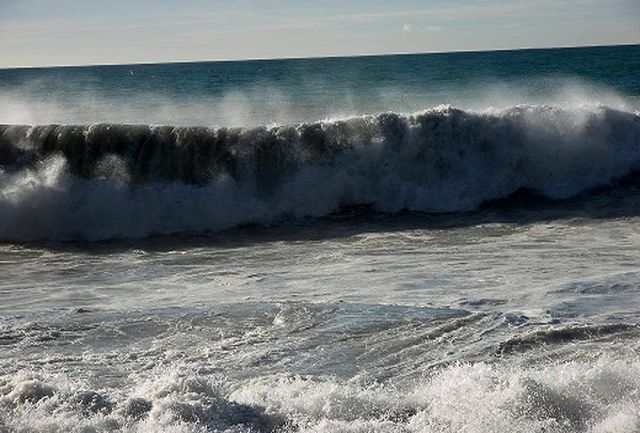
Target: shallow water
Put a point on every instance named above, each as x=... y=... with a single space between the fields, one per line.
x=361 y=323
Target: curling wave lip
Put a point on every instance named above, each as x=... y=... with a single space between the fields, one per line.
x=107 y=181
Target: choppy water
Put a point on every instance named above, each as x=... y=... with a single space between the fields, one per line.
x=361 y=262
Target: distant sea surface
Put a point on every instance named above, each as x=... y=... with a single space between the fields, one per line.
x=407 y=243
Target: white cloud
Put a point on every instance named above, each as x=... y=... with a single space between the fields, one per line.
x=412 y=28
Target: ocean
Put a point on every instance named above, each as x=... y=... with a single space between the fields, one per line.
x=404 y=243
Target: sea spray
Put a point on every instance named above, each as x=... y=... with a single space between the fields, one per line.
x=109 y=181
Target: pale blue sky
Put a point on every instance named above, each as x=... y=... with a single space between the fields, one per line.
x=63 y=32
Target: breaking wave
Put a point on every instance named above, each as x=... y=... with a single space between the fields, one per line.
x=596 y=396
x=108 y=181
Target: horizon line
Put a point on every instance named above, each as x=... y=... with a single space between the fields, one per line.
x=336 y=56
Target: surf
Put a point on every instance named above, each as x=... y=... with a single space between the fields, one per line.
x=105 y=181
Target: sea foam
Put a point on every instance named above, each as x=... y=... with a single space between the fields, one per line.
x=596 y=396
x=108 y=181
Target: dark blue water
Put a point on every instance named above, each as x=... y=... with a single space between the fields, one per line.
x=289 y=91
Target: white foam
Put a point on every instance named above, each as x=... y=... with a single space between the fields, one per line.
x=440 y=160
x=598 y=396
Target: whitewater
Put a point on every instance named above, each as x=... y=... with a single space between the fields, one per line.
x=423 y=243
x=163 y=180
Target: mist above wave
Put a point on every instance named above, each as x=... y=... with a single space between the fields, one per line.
x=85 y=99
x=109 y=181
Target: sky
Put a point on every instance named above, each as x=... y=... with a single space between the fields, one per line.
x=73 y=32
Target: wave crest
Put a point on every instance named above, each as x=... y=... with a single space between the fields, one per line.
x=109 y=181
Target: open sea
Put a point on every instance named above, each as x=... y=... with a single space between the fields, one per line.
x=394 y=244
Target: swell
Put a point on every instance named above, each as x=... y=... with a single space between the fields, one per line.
x=107 y=181
x=565 y=335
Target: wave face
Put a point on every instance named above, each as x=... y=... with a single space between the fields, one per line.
x=115 y=181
